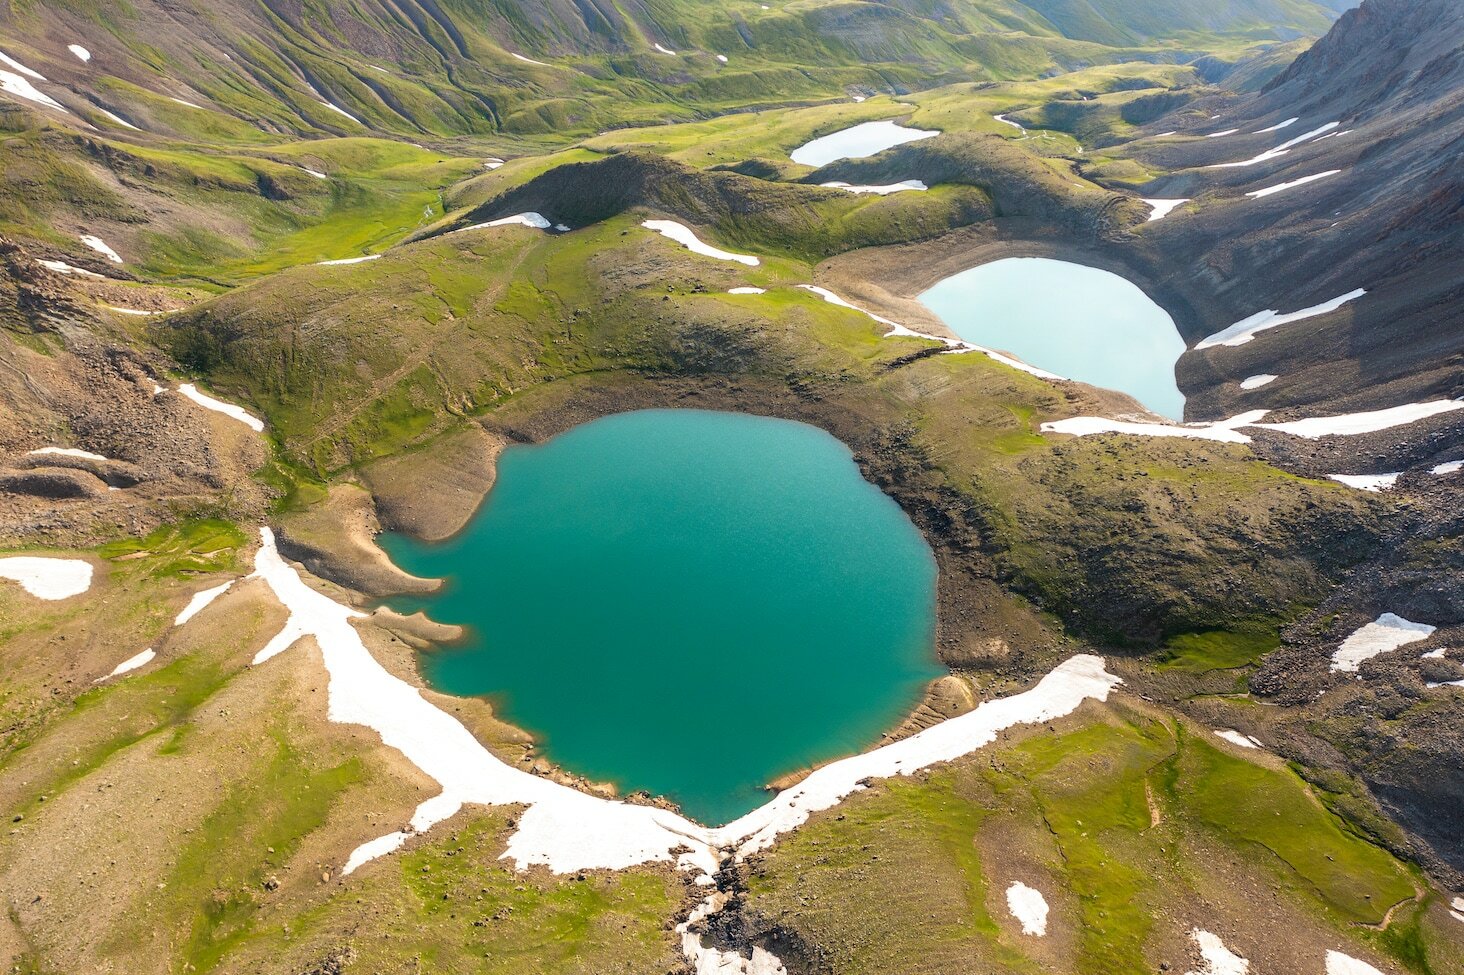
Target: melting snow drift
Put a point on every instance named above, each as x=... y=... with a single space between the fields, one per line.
x=1218 y=959
x=1366 y=482
x=200 y=602
x=131 y=663
x=687 y=238
x=1159 y=209
x=1280 y=187
x=1387 y=632
x=882 y=190
x=48 y=578
x=1340 y=964
x=219 y=406
x=1246 y=329
x=1029 y=907
x=101 y=247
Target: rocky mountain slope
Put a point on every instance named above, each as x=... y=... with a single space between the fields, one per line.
x=1379 y=101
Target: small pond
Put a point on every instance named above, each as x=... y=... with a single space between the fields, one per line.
x=856 y=142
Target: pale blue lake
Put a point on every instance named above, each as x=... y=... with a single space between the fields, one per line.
x=1079 y=322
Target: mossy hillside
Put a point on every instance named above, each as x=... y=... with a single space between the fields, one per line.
x=188 y=215
x=131 y=605
x=1131 y=541
x=1130 y=827
x=450 y=905
x=806 y=223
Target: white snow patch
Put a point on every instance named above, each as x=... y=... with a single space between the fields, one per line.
x=341 y=111
x=1223 y=431
x=200 y=602
x=1340 y=964
x=1216 y=135
x=1075 y=680
x=1244 y=330
x=130 y=311
x=21 y=88
x=79 y=51
x=1387 y=632
x=722 y=58
x=29 y=73
x=1279 y=125
x=856 y=99
x=219 y=406
x=1280 y=150
x=1029 y=907
x=520 y=57
x=1228 y=431
x=48 y=578
x=61 y=267
x=131 y=663
x=182 y=101
x=663 y=50
x=1165 y=135
x=1219 y=960
x=315 y=172
x=528 y=219
x=1279 y=187
x=348 y=260
x=1450 y=467
x=684 y=236
x=748 y=291
x=100 y=246
x=1236 y=738
x=1366 y=482
x=1257 y=381
x=67 y=452
x=1351 y=424
x=118 y=119
x=1159 y=209
x=1006 y=121
x=882 y=190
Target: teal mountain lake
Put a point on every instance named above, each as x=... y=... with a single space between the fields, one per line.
x=1076 y=321
x=685 y=602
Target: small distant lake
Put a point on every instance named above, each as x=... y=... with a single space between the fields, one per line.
x=687 y=602
x=1076 y=321
x=857 y=142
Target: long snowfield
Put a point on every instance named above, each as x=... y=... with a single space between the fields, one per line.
x=567 y=830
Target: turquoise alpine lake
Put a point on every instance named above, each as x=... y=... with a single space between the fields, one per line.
x=1076 y=321
x=685 y=602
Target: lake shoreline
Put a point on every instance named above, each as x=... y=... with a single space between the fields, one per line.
x=966 y=637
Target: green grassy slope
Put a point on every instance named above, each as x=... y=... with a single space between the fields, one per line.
x=1133 y=828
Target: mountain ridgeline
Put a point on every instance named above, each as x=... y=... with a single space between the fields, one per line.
x=452 y=67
